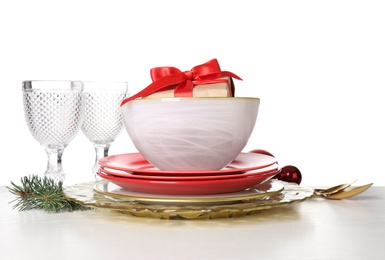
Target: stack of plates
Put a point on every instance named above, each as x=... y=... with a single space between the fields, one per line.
x=133 y=186
x=134 y=173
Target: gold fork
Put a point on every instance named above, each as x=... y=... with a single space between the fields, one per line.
x=334 y=189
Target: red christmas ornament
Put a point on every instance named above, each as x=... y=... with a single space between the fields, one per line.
x=290 y=173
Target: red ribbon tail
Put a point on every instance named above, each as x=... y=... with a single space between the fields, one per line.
x=156 y=86
x=230 y=74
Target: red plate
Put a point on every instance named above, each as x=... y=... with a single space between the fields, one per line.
x=136 y=163
x=189 y=187
x=124 y=174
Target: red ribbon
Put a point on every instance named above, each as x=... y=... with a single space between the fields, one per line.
x=164 y=77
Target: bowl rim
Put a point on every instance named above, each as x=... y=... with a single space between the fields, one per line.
x=176 y=99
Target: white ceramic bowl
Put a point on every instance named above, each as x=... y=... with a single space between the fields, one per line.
x=190 y=134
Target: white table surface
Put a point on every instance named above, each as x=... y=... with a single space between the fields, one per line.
x=314 y=229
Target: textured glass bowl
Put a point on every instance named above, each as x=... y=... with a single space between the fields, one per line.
x=184 y=134
x=102 y=118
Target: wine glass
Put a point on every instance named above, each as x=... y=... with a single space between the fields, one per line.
x=53 y=111
x=102 y=118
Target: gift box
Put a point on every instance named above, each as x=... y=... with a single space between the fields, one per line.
x=222 y=89
x=204 y=80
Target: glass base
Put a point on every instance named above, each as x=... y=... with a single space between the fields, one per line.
x=56 y=176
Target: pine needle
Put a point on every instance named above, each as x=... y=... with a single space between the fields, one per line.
x=42 y=193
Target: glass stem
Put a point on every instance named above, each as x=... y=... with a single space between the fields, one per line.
x=54 y=164
x=101 y=150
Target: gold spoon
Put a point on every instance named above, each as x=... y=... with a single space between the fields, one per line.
x=349 y=193
x=339 y=192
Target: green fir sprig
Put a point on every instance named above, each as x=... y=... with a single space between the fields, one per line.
x=42 y=193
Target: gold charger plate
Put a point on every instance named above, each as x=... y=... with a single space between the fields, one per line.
x=84 y=194
x=260 y=191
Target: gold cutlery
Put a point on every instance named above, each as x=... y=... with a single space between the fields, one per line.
x=339 y=192
x=334 y=189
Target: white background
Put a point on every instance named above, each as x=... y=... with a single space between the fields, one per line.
x=318 y=67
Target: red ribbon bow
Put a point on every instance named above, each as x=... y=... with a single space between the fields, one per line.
x=164 y=77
